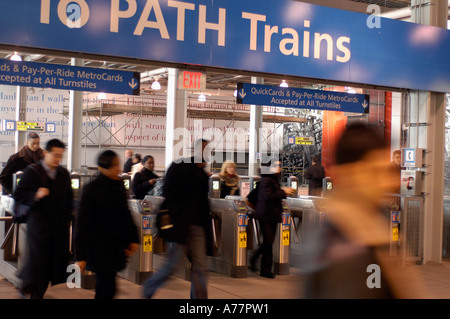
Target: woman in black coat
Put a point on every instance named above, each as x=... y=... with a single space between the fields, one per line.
x=145 y=180
x=268 y=213
x=105 y=233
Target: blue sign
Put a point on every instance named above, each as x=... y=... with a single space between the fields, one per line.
x=9 y=126
x=50 y=127
x=409 y=156
x=264 y=36
x=257 y=94
x=291 y=140
x=56 y=76
x=146 y=223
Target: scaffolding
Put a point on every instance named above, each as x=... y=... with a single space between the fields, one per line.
x=100 y=131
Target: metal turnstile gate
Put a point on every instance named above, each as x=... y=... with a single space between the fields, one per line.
x=230 y=229
x=140 y=265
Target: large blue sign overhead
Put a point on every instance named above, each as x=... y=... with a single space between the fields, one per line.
x=257 y=94
x=75 y=78
x=278 y=37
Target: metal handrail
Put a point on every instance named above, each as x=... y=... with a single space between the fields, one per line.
x=297 y=240
x=7 y=236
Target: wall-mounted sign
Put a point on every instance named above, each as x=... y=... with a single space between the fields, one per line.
x=30 y=126
x=9 y=125
x=257 y=94
x=304 y=140
x=264 y=36
x=191 y=80
x=50 y=127
x=291 y=140
x=412 y=157
x=56 y=76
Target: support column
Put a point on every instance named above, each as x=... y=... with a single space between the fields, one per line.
x=75 y=125
x=256 y=121
x=21 y=115
x=176 y=139
x=431 y=137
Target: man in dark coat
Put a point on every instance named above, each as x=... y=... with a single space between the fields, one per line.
x=46 y=188
x=29 y=154
x=315 y=173
x=105 y=234
x=186 y=197
x=268 y=213
x=128 y=161
x=145 y=180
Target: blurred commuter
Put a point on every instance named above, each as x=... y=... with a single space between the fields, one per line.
x=229 y=180
x=46 y=188
x=315 y=174
x=348 y=256
x=128 y=161
x=145 y=180
x=268 y=213
x=105 y=233
x=29 y=154
x=137 y=165
x=186 y=198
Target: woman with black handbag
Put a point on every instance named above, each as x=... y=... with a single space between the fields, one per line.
x=105 y=232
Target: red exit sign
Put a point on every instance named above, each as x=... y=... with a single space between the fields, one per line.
x=192 y=80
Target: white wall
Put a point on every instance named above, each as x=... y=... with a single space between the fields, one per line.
x=144 y=135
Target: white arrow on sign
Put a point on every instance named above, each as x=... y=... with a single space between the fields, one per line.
x=242 y=94
x=133 y=83
x=365 y=104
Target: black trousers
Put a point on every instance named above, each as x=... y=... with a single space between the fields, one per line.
x=105 y=286
x=36 y=290
x=268 y=230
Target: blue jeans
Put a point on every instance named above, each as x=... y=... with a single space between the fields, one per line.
x=195 y=250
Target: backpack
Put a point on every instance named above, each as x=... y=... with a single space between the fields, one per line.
x=252 y=197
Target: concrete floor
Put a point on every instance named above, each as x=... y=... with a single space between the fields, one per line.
x=436 y=283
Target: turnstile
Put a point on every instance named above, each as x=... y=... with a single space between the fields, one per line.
x=309 y=212
x=282 y=242
x=230 y=220
x=140 y=265
x=159 y=246
x=10 y=243
x=230 y=229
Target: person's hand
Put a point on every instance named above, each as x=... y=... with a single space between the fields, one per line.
x=132 y=248
x=41 y=193
x=152 y=181
x=288 y=191
x=81 y=264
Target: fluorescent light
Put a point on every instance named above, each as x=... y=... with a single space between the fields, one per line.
x=156 y=85
x=202 y=98
x=350 y=90
x=235 y=93
x=284 y=84
x=102 y=96
x=16 y=57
